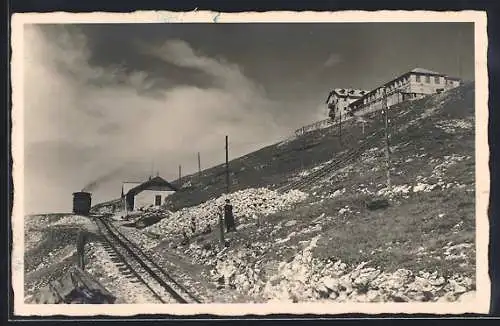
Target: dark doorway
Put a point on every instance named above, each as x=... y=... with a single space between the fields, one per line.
x=157 y=200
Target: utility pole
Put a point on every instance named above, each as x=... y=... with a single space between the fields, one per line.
x=199 y=165
x=387 y=145
x=340 y=126
x=302 y=152
x=227 y=166
x=222 y=243
x=459 y=63
x=180 y=176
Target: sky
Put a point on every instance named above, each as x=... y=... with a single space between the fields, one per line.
x=107 y=103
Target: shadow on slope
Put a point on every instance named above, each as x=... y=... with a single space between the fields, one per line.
x=273 y=166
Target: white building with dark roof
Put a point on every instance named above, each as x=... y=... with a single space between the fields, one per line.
x=339 y=99
x=413 y=84
x=151 y=193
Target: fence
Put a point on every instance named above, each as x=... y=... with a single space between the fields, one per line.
x=315 y=126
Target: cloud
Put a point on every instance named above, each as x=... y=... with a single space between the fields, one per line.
x=333 y=60
x=85 y=123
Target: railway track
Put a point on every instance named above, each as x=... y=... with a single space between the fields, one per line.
x=142 y=267
x=337 y=163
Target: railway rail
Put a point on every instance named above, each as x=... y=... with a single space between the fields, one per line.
x=337 y=163
x=141 y=266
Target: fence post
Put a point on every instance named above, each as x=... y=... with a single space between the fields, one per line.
x=199 y=165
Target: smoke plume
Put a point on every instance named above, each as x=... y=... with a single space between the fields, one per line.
x=83 y=121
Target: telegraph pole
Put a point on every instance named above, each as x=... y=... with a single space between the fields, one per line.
x=222 y=242
x=340 y=126
x=387 y=145
x=227 y=166
x=302 y=152
x=199 y=165
x=459 y=63
x=180 y=176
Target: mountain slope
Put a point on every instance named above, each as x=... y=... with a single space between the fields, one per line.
x=280 y=163
x=422 y=238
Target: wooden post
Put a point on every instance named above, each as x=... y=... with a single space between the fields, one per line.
x=302 y=152
x=180 y=176
x=387 y=143
x=199 y=165
x=363 y=127
x=459 y=62
x=227 y=166
x=340 y=126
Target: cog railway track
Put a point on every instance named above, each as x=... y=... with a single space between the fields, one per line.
x=139 y=266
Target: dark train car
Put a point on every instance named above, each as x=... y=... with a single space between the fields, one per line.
x=81 y=203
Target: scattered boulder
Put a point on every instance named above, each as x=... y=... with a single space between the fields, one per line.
x=400 y=278
x=246 y=203
x=373 y=296
x=323 y=292
x=376 y=204
x=331 y=283
x=76 y=286
x=366 y=277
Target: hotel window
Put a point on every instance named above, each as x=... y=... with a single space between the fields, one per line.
x=428 y=79
x=417 y=78
x=437 y=80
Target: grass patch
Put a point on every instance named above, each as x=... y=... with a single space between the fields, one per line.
x=391 y=238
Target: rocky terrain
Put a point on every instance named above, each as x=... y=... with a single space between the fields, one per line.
x=347 y=237
x=328 y=243
x=249 y=206
x=50 y=247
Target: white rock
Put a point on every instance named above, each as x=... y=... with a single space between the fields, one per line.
x=448 y=297
x=437 y=281
x=331 y=283
x=373 y=296
x=420 y=284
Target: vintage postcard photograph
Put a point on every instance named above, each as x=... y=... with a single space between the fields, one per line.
x=255 y=163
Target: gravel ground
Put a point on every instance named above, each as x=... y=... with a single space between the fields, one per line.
x=184 y=271
x=126 y=289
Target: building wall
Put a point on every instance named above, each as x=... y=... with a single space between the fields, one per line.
x=426 y=84
x=408 y=87
x=450 y=83
x=146 y=198
x=339 y=105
